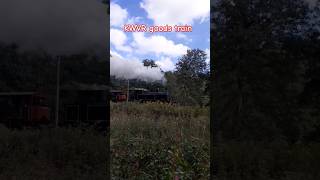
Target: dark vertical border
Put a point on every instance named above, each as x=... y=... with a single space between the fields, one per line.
x=212 y=74
x=108 y=160
x=108 y=82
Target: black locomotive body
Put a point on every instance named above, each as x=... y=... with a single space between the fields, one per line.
x=140 y=95
x=154 y=97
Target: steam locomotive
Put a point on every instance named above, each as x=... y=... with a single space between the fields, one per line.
x=139 y=95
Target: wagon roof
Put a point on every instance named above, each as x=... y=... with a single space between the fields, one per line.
x=16 y=93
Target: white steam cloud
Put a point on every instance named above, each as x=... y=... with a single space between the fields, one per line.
x=133 y=69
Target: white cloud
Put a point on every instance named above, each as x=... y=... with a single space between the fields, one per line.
x=157 y=44
x=176 y=11
x=183 y=36
x=208 y=55
x=166 y=64
x=114 y=53
x=118 y=38
x=118 y=16
x=133 y=69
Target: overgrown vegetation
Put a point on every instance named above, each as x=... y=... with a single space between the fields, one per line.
x=265 y=89
x=159 y=141
x=236 y=160
x=52 y=154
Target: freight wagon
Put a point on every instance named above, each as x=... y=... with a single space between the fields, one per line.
x=77 y=107
x=118 y=96
x=19 y=109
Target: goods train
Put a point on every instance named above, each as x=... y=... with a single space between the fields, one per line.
x=76 y=107
x=139 y=95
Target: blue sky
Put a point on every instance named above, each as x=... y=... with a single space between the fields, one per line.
x=163 y=47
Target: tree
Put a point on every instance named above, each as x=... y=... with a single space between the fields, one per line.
x=33 y=70
x=258 y=74
x=149 y=62
x=191 y=71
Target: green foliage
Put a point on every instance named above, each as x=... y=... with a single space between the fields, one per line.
x=261 y=70
x=149 y=62
x=192 y=64
x=265 y=90
x=275 y=160
x=36 y=70
x=189 y=83
x=159 y=141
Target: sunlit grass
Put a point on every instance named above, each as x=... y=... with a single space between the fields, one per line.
x=159 y=140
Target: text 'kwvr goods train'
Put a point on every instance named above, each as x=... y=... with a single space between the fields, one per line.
x=139 y=95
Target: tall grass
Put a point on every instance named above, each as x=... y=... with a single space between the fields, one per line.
x=159 y=141
x=236 y=160
x=52 y=154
